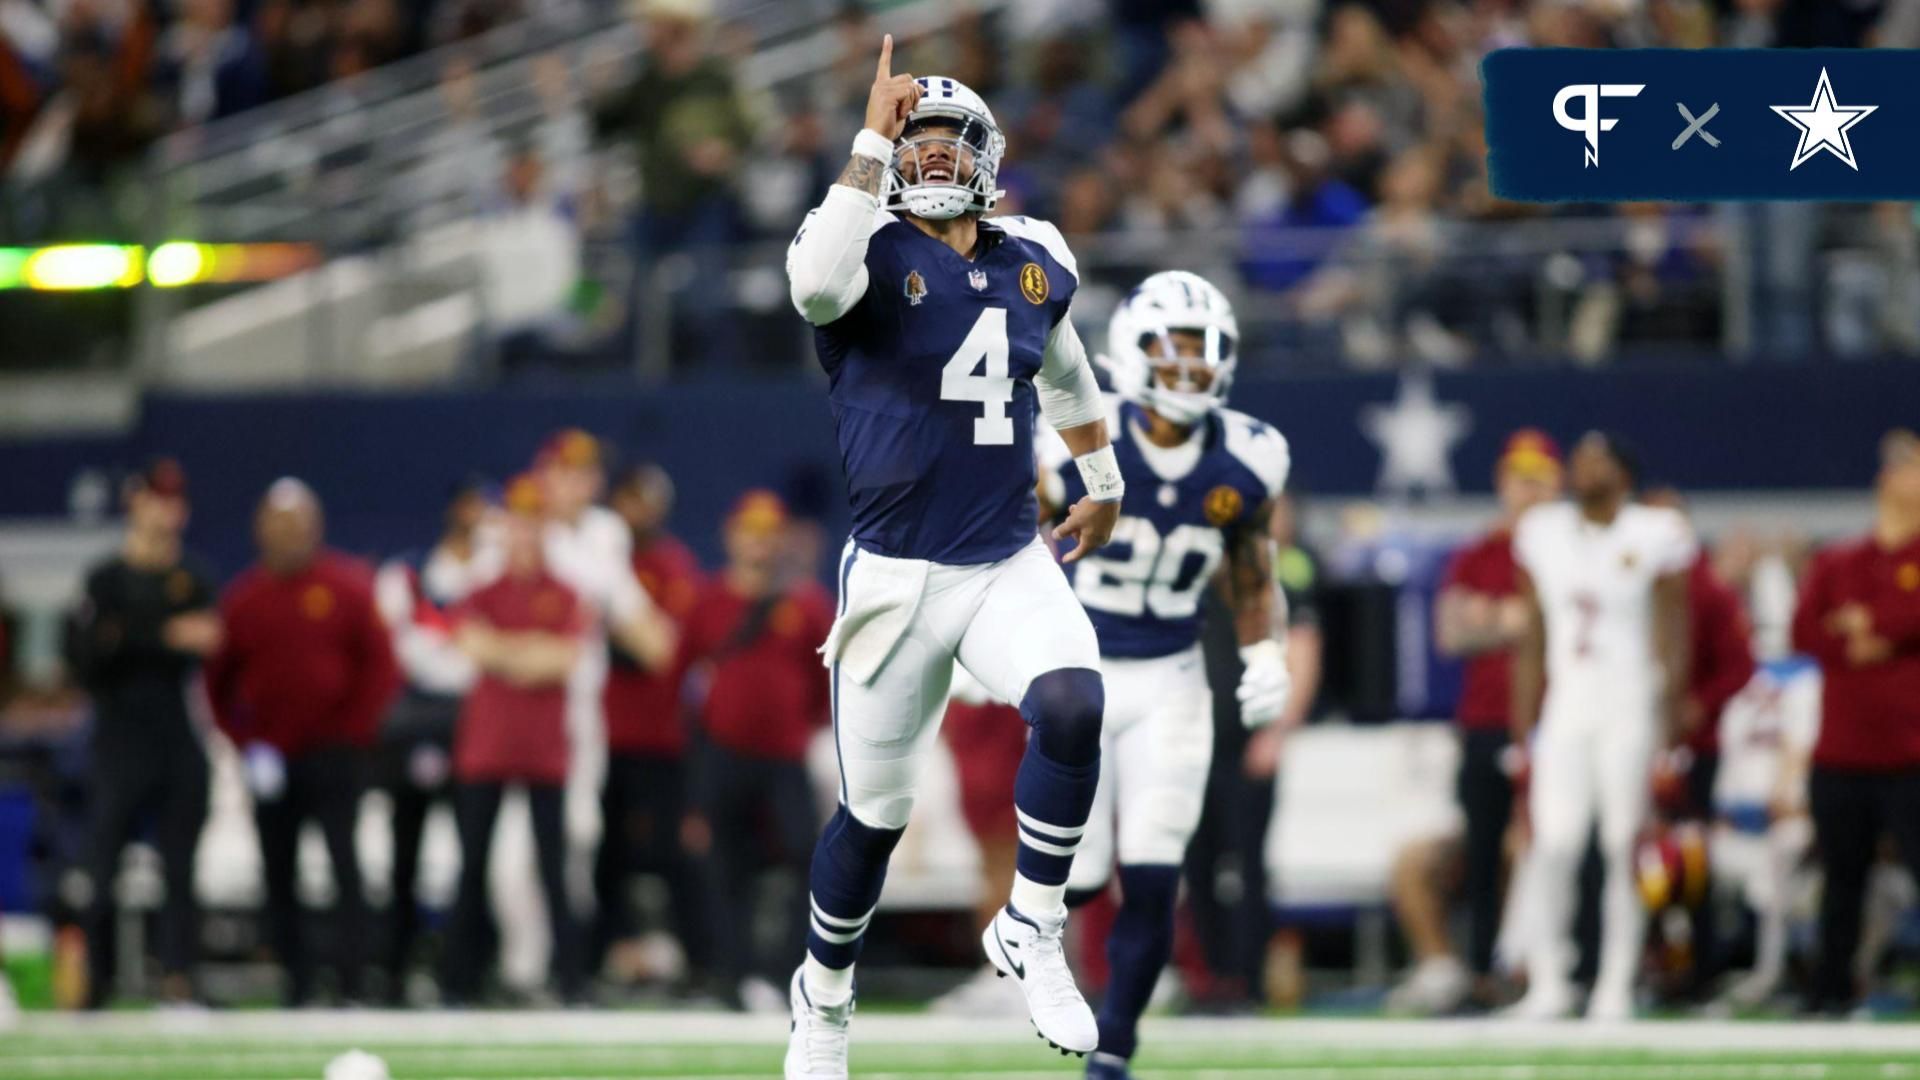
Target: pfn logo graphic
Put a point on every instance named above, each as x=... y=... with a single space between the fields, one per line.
x=1589 y=122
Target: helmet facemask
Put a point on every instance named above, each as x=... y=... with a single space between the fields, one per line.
x=1175 y=387
x=952 y=158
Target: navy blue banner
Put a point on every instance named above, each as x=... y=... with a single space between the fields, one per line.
x=384 y=463
x=1703 y=125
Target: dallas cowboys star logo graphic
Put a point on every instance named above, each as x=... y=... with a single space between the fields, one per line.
x=1823 y=125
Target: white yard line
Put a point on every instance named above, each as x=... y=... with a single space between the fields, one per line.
x=684 y=1028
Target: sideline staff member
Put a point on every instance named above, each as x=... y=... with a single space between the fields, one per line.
x=145 y=625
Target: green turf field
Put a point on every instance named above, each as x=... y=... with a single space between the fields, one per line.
x=525 y=1046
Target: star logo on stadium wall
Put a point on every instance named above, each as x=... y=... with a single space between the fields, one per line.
x=1823 y=125
x=1416 y=435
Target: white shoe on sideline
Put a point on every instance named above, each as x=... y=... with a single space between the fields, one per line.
x=1436 y=986
x=1541 y=1003
x=1610 y=1006
x=1036 y=958
x=817 y=1041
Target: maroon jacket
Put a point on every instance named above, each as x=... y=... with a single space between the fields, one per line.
x=1870 y=716
x=510 y=732
x=766 y=690
x=307 y=662
x=643 y=707
x=1485 y=566
x=1722 y=651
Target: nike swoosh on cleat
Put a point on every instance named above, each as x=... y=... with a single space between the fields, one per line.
x=1019 y=970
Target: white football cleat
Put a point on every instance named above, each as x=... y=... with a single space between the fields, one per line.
x=1035 y=957
x=1610 y=1006
x=817 y=1041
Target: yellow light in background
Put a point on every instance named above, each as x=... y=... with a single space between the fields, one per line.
x=178 y=263
x=83 y=266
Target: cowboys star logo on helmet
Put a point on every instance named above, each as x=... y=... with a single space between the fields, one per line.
x=1162 y=305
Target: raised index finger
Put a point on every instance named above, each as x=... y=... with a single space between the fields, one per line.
x=885 y=71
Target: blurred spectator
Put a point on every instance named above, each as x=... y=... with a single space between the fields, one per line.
x=300 y=685
x=530 y=253
x=210 y=66
x=464 y=166
x=1278 y=259
x=644 y=803
x=1226 y=861
x=690 y=131
x=1479 y=617
x=761 y=693
x=525 y=633
x=414 y=593
x=688 y=127
x=1859 y=617
x=143 y=628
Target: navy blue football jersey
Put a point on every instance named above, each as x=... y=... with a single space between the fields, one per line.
x=1142 y=590
x=931 y=383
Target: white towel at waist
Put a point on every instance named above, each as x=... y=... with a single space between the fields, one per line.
x=883 y=594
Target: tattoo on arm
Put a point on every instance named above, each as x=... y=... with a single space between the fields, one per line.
x=863 y=174
x=1250 y=581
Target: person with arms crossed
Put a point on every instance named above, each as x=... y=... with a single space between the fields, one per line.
x=1478 y=619
x=1859 y=618
x=524 y=633
x=1201 y=481
x=147 y=622
x=942 y=333
x=1601 y=673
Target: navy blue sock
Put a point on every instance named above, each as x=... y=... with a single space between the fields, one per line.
x=1137 y=951
x=849 y=867
x=1059 y=773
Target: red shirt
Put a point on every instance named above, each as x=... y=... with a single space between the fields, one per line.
x=1870 y=716
x=765 y=695
x=1486 y=566
x=643 y=707
x=510 y=732
x=1722 y=651
x=306 y=661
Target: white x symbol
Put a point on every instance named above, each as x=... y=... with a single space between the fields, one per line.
x=1696 y=127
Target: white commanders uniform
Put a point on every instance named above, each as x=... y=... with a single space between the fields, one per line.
x=1593 y=749
x=1776 y=716
x=1142 y=593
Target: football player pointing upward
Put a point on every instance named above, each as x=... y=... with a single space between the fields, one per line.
x=1201 y=479
x=941 y=335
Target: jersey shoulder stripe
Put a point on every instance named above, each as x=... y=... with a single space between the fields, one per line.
x=1043 y=233
x=1260 y=447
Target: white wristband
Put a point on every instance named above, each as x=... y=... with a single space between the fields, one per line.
x=870 y=143
x=1100 y=472
x=1262 y=650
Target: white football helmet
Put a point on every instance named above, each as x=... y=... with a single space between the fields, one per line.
x=953 y=115
x=1166 y=302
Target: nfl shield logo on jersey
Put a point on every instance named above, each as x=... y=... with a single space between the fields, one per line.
x=916 y=288
x=978 y=279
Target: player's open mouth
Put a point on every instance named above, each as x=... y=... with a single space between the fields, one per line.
x=938 y=174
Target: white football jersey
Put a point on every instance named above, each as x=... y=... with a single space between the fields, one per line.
x=594 y=555
x=1595 y=587
x=1776 y=713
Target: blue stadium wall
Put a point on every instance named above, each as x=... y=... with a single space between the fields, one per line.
x=382 y=462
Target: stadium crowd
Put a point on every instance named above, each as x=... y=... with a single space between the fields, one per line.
x=1327 y=156
x=654 y=717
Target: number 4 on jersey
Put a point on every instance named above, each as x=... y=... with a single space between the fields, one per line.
x=987 y=341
